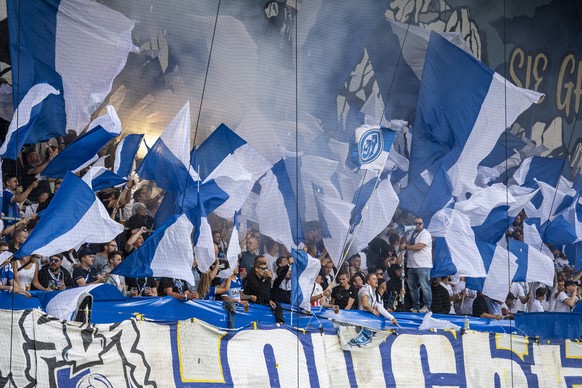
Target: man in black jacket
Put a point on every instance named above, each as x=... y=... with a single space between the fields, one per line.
x=258 y=284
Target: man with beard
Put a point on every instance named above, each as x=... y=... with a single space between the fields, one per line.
x=53 y=276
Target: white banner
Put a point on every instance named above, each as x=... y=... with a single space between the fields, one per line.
x=47 y=352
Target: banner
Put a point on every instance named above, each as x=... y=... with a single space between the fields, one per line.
x=47 y=352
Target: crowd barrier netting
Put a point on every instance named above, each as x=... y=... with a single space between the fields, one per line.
x=39 y=350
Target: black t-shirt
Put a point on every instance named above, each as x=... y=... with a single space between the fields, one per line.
x=341 y=296
x=480 y=306
x=178 y=285
x=45 y=276
x=140 y=284
x=90 y=275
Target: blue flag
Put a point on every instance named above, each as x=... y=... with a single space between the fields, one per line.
x=84 y=149
x=125 y=154
x=74 y=216
x=24 y=119
x=50 y=39
x=303 y=273
x=166 y=253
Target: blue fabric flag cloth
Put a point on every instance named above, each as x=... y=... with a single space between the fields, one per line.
x=45 y=36
x=166 y=253
x=303 y=273
x=73 y=217
x=83 y=151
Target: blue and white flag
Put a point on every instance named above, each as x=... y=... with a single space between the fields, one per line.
x=558 y=232
x=532 y=237
x=459 y=139
x=233 y=179
x=532 y=265
x=125 y=154
x=24 y=119
x=334 y=220
x=455 y=227
x=501 y=266
x=168 y=161
x=373 y=143
x=84 y=150
x=427 y=194
x=233 y=249
x=224 y=143
x=100 y=178
x=203 y=242
x=166 y=253
x=376 y=214
x=76 y=46
x=277 y=212
x=73 y=217
x=548 y=202
x=540 y=169
x=304 y=270
x=232 y=163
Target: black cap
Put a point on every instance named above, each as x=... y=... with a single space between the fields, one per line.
x=569 y=283
x=85 y=251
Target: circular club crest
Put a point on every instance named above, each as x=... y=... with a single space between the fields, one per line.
x=370 y=145
x=94 y=380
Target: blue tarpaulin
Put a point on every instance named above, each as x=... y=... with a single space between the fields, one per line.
x=109 y=306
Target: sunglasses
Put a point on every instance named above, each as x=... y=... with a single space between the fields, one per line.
x=51 y=260
x=263 y=268
x=418 y=223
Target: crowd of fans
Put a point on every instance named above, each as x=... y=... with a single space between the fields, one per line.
x=392 y=274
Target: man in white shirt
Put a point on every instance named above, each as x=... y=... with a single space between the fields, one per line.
x=536 y=304
x=567 y=299
x=520 y=291
x=419 y=265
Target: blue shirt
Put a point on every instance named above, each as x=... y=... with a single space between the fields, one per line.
x=9 y=208
x=235 y=288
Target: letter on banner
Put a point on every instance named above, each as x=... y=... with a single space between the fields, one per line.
x=481 y=367
x=407 y=364
x=199 y=352
x=547 y=363
x=251 y=365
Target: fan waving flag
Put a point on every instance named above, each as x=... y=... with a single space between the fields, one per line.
x=125 y=154
x=78 y=47
x=168 y=161
x=303 y=273
x=74 y=216
x=166 y=253
x=83 y=151
x=373 y=143
x=24 y=119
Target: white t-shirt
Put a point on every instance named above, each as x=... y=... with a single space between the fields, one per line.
x=366 y=290
x=422 y=258
x=517 y=289
x=317 y=290
x=562 y=307
x=536 y=307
